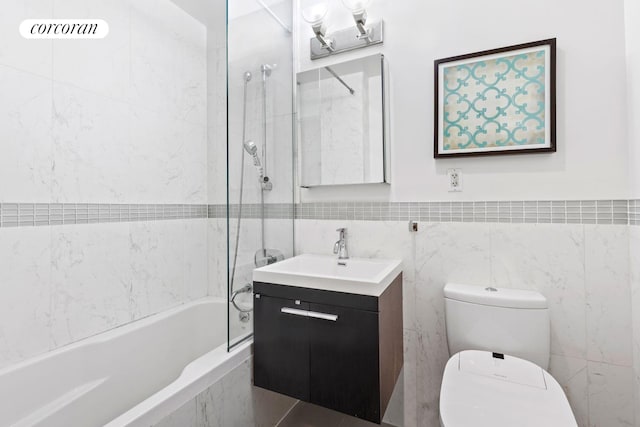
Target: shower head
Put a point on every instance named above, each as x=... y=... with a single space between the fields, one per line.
x=251 y=147
x=247 y=76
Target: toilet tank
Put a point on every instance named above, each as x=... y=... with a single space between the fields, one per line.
x=508 y=321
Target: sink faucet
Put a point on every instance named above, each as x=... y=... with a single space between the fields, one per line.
x=340 y=248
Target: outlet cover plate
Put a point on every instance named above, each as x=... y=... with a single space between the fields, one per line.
x=455 y=180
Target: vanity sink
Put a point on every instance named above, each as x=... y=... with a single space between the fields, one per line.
x=362 y=276
x=327 y=329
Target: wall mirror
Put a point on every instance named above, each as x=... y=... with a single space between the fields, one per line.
x=343 y=124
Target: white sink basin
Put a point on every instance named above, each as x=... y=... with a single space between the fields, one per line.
x=362 y=276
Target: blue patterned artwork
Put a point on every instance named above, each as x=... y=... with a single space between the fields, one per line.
x=496 y=102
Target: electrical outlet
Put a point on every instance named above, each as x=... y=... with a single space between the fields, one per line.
x=455 y=180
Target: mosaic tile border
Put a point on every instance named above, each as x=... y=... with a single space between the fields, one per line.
x=41 y=214
x=253 y=211
x=620 y=212
x=634 y=212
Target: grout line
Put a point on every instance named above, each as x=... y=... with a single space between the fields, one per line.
x=287 y=413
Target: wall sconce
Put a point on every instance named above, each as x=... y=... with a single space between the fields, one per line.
x=315 y=13
x=358 y=9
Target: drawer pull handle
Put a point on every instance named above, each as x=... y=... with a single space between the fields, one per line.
x=323 y=316
x=306 y=313
x=294 y=311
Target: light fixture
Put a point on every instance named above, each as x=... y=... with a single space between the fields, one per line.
x=322 y=45
x=314 y=12
x=358 y=9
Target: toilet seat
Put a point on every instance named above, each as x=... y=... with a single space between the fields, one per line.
x=480 y=389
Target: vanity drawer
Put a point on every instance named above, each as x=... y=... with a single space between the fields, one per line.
x=340 y=299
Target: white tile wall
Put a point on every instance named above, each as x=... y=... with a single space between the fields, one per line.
x=188 y=416
x=610 y=395
x=26 y=116
x=79 y=116
x=90 y=153
x=444 y=252
x=159 y=261
x=549 y=259
x=634 y=249
x=91 y=280
x=217 y=260
x=608 y=294
x=119 y=120
x=63 y=283
x=579 y=268
x=232 y=402
x=18 y=52
x=410 y=395
x=572 y=374
x=101 y=66
x=25 y=310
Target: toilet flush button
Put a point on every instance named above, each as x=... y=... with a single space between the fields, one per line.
x=490 y=289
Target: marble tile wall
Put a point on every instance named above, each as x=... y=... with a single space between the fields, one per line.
x=67 y=282
x=231 y=402
x=121 y=123
x=582 y=269
x=79 y=119
x=634 y=249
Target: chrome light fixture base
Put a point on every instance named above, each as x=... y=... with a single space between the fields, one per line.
x=320 y=30
x=347 y=40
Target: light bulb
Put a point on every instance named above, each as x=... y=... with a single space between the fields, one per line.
x=356 y=6
x=314 y=11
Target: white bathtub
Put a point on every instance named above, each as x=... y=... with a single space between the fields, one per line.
x=134 y=375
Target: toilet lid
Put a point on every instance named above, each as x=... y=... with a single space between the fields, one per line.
x=483 y=389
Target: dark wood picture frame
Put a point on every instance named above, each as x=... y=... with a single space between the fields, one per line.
x=550 y=105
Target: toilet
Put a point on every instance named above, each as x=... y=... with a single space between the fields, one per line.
x=497 y=375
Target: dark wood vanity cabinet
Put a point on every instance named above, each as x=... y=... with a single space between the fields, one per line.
x=337 y=350
x=284 y=351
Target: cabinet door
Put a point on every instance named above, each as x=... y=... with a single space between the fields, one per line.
x=344 y=360
x=281 y=346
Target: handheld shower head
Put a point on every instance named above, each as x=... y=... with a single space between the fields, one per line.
x=251 y=148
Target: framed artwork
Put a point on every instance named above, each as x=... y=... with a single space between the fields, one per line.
x=500 y=101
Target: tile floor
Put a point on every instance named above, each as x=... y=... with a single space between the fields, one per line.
x=307 y=415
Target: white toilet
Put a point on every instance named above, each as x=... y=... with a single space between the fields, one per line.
x=497 y=375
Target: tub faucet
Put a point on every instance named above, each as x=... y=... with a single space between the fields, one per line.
x=340 y=248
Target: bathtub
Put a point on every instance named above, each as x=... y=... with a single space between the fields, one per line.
x=134 y=375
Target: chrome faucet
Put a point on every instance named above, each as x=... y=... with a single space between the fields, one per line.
x=340 y=248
